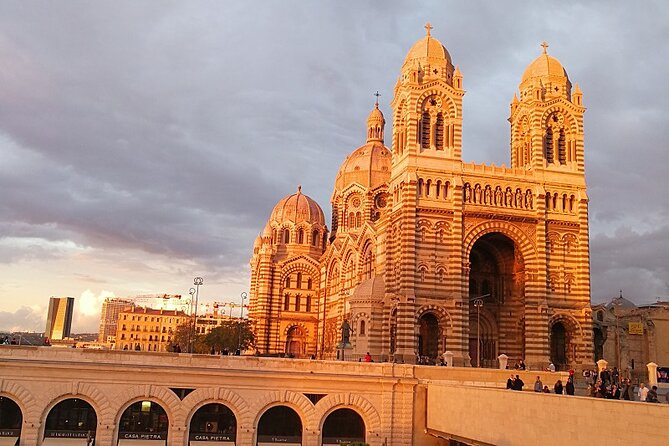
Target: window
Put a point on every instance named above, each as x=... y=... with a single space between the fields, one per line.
x=299 y=280
x=286 y=302
x=300 y=236
x=288 y=282
x=362 y=327
x=308 y=304
x=297 y=303
x=309 y=284
x=286 y=236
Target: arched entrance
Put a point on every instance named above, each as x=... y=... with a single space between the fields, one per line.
x=296 y=341
x=559 y=344
x=497 y=287
x=343 y=426
x=280 y=425
x=428 y=337
x=71 y=421
x=11 y=419
x=143 y=423
x=213 y=424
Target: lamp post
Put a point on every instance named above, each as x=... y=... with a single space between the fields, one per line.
x=478 y=303
x=197 y=282
x=616 y=303
x=241 y=316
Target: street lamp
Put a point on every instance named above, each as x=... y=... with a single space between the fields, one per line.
x=478 y=303
x=241 y=316
x=197 y=282
x=616 y=303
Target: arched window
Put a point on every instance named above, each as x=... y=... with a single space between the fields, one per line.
x=358 y=219
x=437 y=189
x=299 y=280
x=351 y=220
x=286 y=236
x=288 y=282
x=297 y=302
x=428 y=185
x=309 y=284
x=362 y=327
x=314 y=238
x=562 y=150
x=548 y=143
x=440 y=132
x=286 y=302
x=308 y=304
x=420 y=187
x=425 y=131
x=300 y=236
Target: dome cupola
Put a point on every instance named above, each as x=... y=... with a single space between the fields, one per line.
x=427 y=60
x=297 y=208
x=545 y=78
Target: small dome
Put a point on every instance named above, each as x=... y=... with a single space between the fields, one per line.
x=368 y=166
x=373 y=288
x=376 y=124
x=544 y=66
x=298 y=208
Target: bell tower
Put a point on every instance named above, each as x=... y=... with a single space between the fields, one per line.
x=427 y=104
x=547 y=119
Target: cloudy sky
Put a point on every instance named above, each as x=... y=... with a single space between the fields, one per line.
x=143 y=143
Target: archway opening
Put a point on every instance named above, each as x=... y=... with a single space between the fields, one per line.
x=343 y=426
x=280 y=424
x=143 y=423
x=559 y=343
x=71 y=421
x=428 y=338
x=10 y=422
x=295 y=342
x=496 y=300
x=213 y=424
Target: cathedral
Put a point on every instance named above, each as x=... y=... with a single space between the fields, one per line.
x=428 y=257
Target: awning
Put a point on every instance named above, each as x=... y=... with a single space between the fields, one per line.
x=9 y=441
x=49 y=441
x=134 y=442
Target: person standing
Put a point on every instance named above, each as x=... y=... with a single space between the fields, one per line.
x=538 y=385
x=643 y=392
x=626 y=393
x=558 y=387
x=570 y=386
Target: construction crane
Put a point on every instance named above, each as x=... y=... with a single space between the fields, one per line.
x=217 y=307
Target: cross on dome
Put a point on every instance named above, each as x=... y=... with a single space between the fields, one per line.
x=299 y=188
x=377 y=94
x=544 y=45
x=428 y=28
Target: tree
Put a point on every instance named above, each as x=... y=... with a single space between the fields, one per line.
x=184 y=336
x=230 y=335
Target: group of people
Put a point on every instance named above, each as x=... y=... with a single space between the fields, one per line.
x=558 y=387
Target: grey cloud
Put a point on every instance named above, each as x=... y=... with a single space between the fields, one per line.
x=175 y=129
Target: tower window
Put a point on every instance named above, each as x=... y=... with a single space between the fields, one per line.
x=425 y=131
x=286 y=302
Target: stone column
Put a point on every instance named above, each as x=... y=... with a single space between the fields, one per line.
x=448 y=358
x=503 y=361
x=29 y=433
x=652 y=374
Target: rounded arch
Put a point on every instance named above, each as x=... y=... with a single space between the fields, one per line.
x=294 y=400
x=50 y=425
x=510 y=230
x=84 y=392
x=443 y=316
x=301 y=325
x=160 y=395
x=22 y=397
x=569 y=322
x=229 y=398
x=448 y=106
x=570 y=121
x=361 y=405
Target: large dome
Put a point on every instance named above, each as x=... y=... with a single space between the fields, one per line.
x=298 y=208
x=368 y=166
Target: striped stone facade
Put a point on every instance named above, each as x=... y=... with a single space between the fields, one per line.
x=429 y=255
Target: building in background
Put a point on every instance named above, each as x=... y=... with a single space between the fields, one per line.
x=429 y=255
x=630 y=336
x=111 y=308
x=147 y=329
x=59 y=318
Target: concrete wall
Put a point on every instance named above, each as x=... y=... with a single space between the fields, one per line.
x=504 y=417
x=37 y=378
